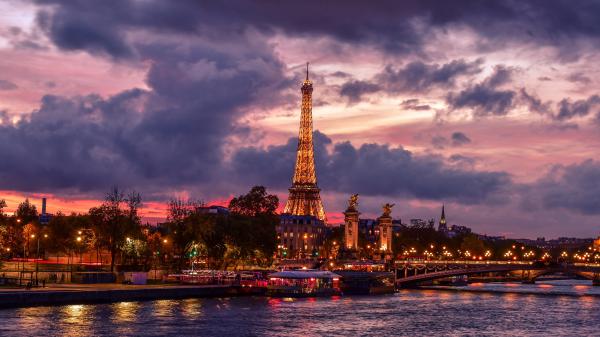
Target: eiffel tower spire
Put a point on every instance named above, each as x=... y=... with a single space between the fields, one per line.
x=304 y=198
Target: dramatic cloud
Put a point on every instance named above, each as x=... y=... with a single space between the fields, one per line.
x=415 y=77
x=419 y=77
x=373 y=169
x=211 y=99
x=168 y=137
x=485 y=98
x=393 y=26
x=573 y=187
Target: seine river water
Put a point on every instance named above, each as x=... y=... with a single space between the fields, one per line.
x=558 y=308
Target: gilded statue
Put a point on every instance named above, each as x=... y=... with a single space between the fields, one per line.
x=353 y=202
x=387 y=209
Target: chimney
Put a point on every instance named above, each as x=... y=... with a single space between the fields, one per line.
x=43 y=206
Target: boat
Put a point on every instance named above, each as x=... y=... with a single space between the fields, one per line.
x=303 y=283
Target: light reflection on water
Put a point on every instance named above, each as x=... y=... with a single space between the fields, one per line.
x=410 y=312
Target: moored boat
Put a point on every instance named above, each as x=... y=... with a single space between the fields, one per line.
x=303 y=283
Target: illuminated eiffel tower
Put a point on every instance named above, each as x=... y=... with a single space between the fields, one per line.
x=304 y=198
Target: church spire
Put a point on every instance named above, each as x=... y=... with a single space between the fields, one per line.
x=443 y=218
x=442 y=227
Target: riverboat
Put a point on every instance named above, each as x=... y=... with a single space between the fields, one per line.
x=303 y=283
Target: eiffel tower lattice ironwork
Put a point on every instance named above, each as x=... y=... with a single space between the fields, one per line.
x=304 y=198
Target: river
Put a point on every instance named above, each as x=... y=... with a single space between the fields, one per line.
x=551 y=308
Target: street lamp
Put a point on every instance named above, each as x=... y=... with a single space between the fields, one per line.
x=80 y=251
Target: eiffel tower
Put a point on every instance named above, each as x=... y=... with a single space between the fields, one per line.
x=304 y=198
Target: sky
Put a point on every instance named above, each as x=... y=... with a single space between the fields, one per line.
x=491 y=108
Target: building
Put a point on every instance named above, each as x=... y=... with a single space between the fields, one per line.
x=214 y=209
x=456 y=230
x=301 y=230
x=369 y=229
x=419 y=223
x=442 y=227
x=300 y=236
x=44 y=217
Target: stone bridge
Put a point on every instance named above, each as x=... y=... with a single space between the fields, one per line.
x=413 y=272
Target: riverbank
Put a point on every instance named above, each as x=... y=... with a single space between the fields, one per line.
x=108 y=293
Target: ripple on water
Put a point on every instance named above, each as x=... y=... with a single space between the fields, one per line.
x=409 y=312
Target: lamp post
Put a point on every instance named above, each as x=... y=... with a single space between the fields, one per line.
x=79 y=247
x=37 y=255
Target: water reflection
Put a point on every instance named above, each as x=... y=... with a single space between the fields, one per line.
x=409 y=312
x=74 y=313
x=125 y=311
x=163 y=308
x=191 y=308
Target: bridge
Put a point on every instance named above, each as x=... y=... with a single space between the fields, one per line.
x=412 y=272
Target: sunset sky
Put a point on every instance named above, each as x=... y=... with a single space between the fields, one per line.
x=489 y=107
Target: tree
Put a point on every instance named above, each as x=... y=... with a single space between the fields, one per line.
x=183 y=228
x=115 y=219
x=62 y=229
x=251 y=226
x=12 y=235
x=212 y=235
x=2 y=207
x=256 y=202
x=3 y=229
x=27 y=212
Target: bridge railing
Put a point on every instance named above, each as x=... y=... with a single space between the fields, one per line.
x=463 y=262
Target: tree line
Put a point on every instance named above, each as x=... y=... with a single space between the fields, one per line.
x=243 y=236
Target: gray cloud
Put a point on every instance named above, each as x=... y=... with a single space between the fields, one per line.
x=579 y=78
x=485 y=98
x=459 y=139
x=7 y=85
x=372 y=169
x=418 y=76
x=414 y=77
x=568 y=109
x=573 y=187
x=171 y=136
x=354 y=90
x=397 y=27
x=413 y=104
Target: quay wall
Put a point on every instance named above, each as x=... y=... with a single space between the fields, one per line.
x=29 y=298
